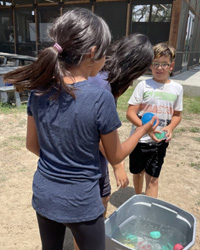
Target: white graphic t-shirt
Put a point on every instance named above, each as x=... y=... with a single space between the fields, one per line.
x=158 y=98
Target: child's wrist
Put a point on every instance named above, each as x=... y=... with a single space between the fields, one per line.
x=142 y=130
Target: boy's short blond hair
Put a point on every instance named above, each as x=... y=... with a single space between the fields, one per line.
x=162 y=49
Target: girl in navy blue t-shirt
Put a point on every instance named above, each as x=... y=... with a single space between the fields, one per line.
x=67 y=117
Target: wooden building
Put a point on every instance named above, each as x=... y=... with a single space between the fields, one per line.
x=23 y=23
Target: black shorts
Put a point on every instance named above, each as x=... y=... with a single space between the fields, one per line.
x=148 y=157
x=105 y=187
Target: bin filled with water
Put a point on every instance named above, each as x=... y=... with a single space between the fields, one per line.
x=146 y=223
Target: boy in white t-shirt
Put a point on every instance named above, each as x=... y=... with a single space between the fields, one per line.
x=164 y=98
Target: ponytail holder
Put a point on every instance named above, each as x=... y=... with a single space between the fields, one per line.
x=58 y=48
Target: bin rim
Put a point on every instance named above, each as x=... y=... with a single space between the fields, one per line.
x=154 y=200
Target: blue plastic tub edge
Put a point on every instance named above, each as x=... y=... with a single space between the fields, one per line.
x=155 y=200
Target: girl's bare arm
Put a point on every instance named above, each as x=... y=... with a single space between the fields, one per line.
x=32 y=143
x=116 y=151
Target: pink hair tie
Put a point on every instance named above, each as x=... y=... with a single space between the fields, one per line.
x=58 y=47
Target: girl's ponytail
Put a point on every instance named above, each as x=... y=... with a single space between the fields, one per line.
x=74 y=34
x=42 y=75
x=37 y=75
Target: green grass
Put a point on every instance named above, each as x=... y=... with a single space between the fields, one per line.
x=3 y=179
x=14 y=142
x=17 y=138
x=194 y=130
x=191 y=105
x=180 y=130
x=196 y=139
x=6 y=108
x=122 y=104
x=195 y=165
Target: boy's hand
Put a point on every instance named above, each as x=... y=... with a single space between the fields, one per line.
x=168 y=131
x=153 y=136
x=168 y=134
x=120 y=175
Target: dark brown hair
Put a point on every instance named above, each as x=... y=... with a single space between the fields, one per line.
x=126 y=60
x=76 y=32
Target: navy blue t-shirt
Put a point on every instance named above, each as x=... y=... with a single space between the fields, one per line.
x=66 y=183
x=100 y=82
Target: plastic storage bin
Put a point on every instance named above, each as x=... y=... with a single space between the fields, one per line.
x=155 y=211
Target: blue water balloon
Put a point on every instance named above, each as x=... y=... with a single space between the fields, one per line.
x=147 y=118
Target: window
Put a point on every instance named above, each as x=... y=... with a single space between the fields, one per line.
x=151 y=13
x=152 y=20
x=22 y=2
x=6 y=31
x=45 y=18
x=6 y=3
x=188 y=37
x=76 y=1
x=116 y=19
x=48 y=1
x=161 y=13
x=25 y=36
x=141 y=13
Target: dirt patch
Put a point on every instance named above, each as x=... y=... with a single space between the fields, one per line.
x=179 y=180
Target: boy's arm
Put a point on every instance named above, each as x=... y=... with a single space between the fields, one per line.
x=119 y=171
x=120 y=175
x=132 y=116
x=176 y=118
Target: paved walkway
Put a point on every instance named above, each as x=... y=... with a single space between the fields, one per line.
x=190 y=80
